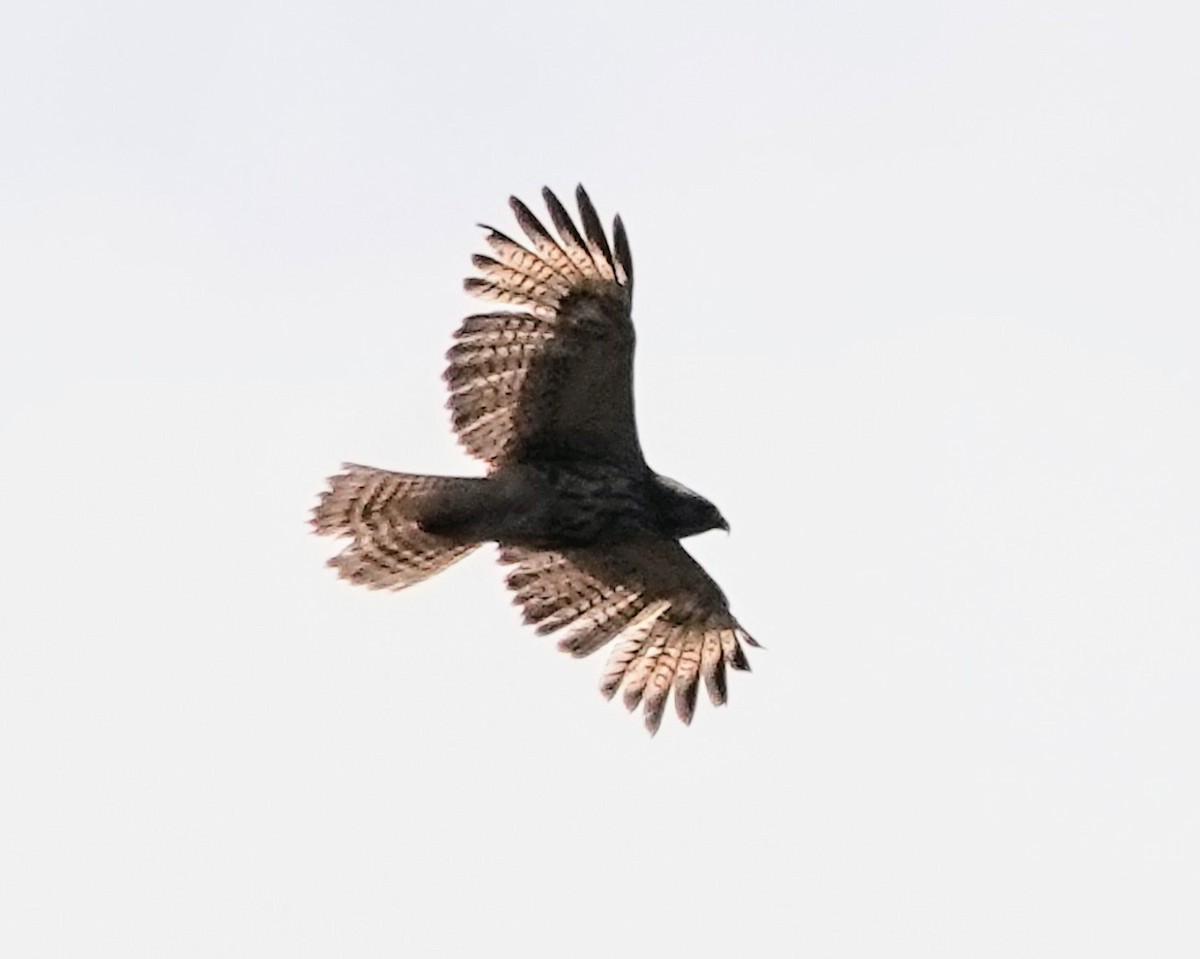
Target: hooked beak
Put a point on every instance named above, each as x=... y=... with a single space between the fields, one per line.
x=724 y=524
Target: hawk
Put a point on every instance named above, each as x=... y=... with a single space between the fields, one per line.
x=543 y=394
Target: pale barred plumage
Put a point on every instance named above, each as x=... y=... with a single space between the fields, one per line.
x=389 y=549
x=526 y=382
x=543 y=394
x=670 y=620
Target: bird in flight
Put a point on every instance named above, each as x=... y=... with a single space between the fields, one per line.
x=543 y=394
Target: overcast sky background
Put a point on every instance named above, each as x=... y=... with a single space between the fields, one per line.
x=917 y=308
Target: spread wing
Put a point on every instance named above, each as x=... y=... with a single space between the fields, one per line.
x=671 y=620
x=552 y=379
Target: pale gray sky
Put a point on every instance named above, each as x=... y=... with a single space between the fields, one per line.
x=917 y=307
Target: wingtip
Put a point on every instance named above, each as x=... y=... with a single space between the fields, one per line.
x=751 y=641
x=622 y=257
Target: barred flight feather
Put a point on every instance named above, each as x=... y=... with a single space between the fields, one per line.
x=487 y=290
x=500 y=323
x=624 y=258
x=466 y=379
x=517 y=281
x=638 y=673
x=478 y=356
x=661 y=677
x=602 y=625
x=712 y=667
x=543 y=242
x=597 y=242
x=735 y=656
x=571 y=242
x=687 y=676
x=663 y=647
x=513 y=254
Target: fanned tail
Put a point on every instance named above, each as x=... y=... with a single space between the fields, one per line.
x=382 y=512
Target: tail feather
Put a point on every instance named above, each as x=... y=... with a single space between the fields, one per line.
x=381 y=511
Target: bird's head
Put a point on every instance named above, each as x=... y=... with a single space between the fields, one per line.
x=684 y=512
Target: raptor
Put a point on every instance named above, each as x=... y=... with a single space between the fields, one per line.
x=542 y=392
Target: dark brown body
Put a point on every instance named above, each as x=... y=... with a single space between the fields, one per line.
x=553 y=505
